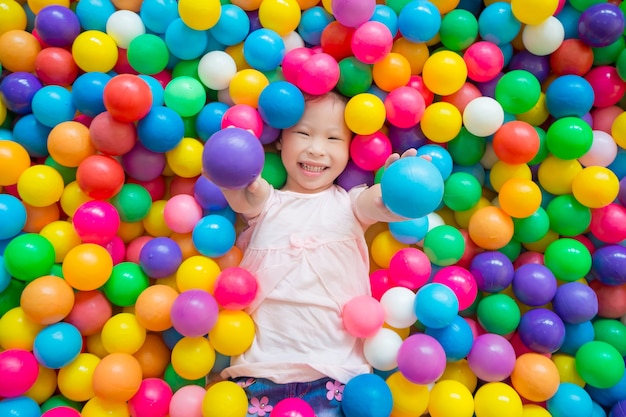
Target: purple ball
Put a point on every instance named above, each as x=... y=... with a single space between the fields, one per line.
x=57 y=25
x=269 y=134
x=575 y=303
x=492 y=357
x=209 y=195
x=421 y=359
x=233 y=158
x=537 y=65
x=488 y=88
x=608 y=264
x=406 y=138
x=534 y=284
x=492 y=270
x=143 y=164
x=353 y=176
x=600 y=25
x=541 y=330
x=194 y=313
x=18 y=89
x=621 y=195
x=160 y=257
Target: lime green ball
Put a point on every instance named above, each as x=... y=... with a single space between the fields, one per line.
x=569 y=138
x=568 y=259
x=67 y=173
x=599 y=364
x=59 y=401
x=518 y=91
x=461 y=191
x=185 y=95
x=512 y=249
x=29 y=256
x=133 y=202
x=444 y=245
x=354 y=77
x=176 y=382
x=612 y=332
x=126 y=282
x=498 y=313
x=274 y=171
x=567 y=216
x=532 y=228
x=543 y=151
x=459 y=29
x=148 y=54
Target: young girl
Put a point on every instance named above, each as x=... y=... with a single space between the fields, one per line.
x=305 y=244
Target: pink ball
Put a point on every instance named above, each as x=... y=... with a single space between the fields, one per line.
x=404 y=107
x=318 y=74
x=353 y=13
x=152 y=399
x=410 y=268
x=529 y=257
x=492 y=357
x=371 y=42
x=462 y=283
x=181 y=213
x=292 y=407
x=608 y=87
x=292 y=62
x=421 y=359
x=603 y=118
x=608 y=223
x=235 y=288
x=18 y=372
x=116 y=249
x=484 y=60
x=134 y=248
x=380 y=282
x=90 y=312
x=245 y=117
x=370 y=152
x=61 y=412
x=603 y=150
x=363 y=316
x=187 y=401
x=96 y=221
x=194 y=313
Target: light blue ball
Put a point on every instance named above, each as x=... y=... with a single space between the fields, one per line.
x=387 y=16
x=19 y=407
x=232 y=27
x=569 y=95
x=436 y=305
x=209 y=119
x=367 y=395
x=52 y=104
x=88 y=92
x=184 y=42
x=409 y=231
x=281 y=104
x=440 y=158
x=419 y=21
x=13 y=215
x=264 y=49
x=57 y=345
x=32 y=135
x=570 y=400
x=312 y=23
x=93 y=14
x=213 y=235
x=497 y=24
x=456 y=338
x=158 y=14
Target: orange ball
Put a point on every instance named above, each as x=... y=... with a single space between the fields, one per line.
x=47 y=300
x=519 y=197
x=18 y=50
x=516 y=142
x=87 y=266
x=393 y=71
x=69 y=143
x=153 y=356
x=535 y=377
x=14 y=160
x=153 y=306
x=490 y=228
x=231 y=258
x=117 y=377
x=132 y=5
x=38 y=217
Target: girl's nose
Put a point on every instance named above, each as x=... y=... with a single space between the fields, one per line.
x=316 y=147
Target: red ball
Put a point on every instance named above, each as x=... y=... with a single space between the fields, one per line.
x=127 y=97
x=335 y=40
x=110 y=136
x=611 y=299
x=100 y=176
x=608 y=223
x=516 y=142
x=56 y=66
x=573 y=57
x=235 y=288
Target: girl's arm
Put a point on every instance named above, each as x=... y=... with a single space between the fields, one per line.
x=248 y=201
x=369 y=204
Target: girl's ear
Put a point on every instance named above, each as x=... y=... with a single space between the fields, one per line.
x=279 y=145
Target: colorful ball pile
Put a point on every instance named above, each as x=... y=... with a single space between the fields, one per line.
x=503 y=293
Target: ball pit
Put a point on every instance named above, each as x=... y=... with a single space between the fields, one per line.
x=509 y=267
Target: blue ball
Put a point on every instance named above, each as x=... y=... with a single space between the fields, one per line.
x=157 y=90
x=409 y=231
x=570 y=400
x=607 y=397
x=419 y=21
x=19 y=407
x=93 y=14
x=5 y=277
x=412 y=187
x=312 y=23
x=32 y=135
x=184 y=42
x=569 y=95
x=209 y=119
x=456 y=338
x=367 y=395
x=264 y=49
x=232 y=27
x=52 y=105
x=57 y=345
x=161 y=129
x=13 y=215
x=387 y=16
x=440 y=158
x=436 y=305
x=281 y=104
x=497 y=24
x=156 y=15
x=88 y=91
x=569 y=17
x=576 y=335
x=213 y=235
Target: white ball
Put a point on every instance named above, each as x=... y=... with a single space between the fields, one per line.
x=381 y=350
x=292 y=40
x=544 y=38
x=483 y=116
x=489 y=157
x=398 y=304
x=603 y=150
x=123 y=26
x=216 y=69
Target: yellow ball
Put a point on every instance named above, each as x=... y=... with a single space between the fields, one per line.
x=460 y=371
x=445 y=6
x=557 y=175
x=98 y=407
x=185 y=160
x=450 y=397
x=45 y=385
x=566 y=365
x=36 y=5
x=63 y=236
x=75 y=379
x=95 y=346
x=501 y=172
x=13 y=16
x=225 y=399
x=72 y=198
x=154 y=222
x=533 y=12
x=441 y=122
x=534 y=410
x=193 y=357
x=281 y=16
x=618 y=130
x=123 y=333
x=40 y=185
x=383 y=247
x=595 y=186
x=408 y=397
x=444 y=72
x=94 y=51
x=233 y=333
x=200 y=14
x=17 y=331
x=197 y=272
x=246 y=86
x=497 y=399
x=365 y=114
x=538 y=114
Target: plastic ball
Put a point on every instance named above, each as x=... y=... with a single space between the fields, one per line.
x=94 y=51
x=363 y=316
x=365 y=113
x=444 y=245
x=264 y=49
x=428 y=352
x=96 y=222
x=69 y=143
x=570 y=400
x=482 y=357
x=181 y=213
x=87 y=266
x=541 y=330
x=514 y=151
x=14 y=211
x=530 y=368
x=600 y=25
x=52 y=104
x=199 y=15
x=15 y=160
x=57 y=345
x=436 y=305
x=534 y=284
x=18 y=90
x=28 y=256
x=122 y=333
x=90 y=311
x=47 y=300
x=19 y=50
x=568 y=259
x=409 y=231
x=181 y=42
x=398 y=304
x=497 y=398
x=19 y=371
x=235 y=288
x=603 y=150
x=498 y=314
x=444 y=72
x=292 y=407
x=419 y=21
x=117 y=377
x=608 y=87
x=194 y=313
x=371 y=42
x=490 y=228
x=369 y=386
x=126 y=283
x=606 y=264
x=318 y=75
x=484 y=61
x=185 y=95
x=160 y=257
x=352 y=13
x=223 y=398
x=404 y=106
x=152 y=399
x=575 y=303
x=599 y=364
x=40 y=186
x=483 y=116
x=595 y=186
x=544 y=38
x=492 y=270
x=381 y=349
x=461 y=281
x=497 y=23
x=450 y=397
x=233 y=332
x=410 y=268
x=216 y=69
x=100 y=176
x=61 y=411
x=245 y=117
x=13 y=18
x=187 y=401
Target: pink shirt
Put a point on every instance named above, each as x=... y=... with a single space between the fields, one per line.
x=310 y=258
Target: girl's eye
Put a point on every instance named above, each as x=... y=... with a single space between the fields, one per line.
x=334 y=138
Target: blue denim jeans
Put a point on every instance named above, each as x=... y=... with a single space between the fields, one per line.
x=323 y=395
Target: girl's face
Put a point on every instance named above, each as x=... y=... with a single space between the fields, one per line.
x=316 y=150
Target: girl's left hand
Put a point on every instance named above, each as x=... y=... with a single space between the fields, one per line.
x=409 y=152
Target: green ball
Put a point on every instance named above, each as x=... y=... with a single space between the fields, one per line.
x=67 y=173
x=498 y=313
x=397 y=5
x=133 y=202
x=543 y=151
x=10 y=296
x=608 y=55
x=569 y=138
x=512 y=249
x=620 y=65
x=567 y=216
x=354 y=77
x=148 y=54
x=444 y=245
x=568 y=259
x=461 y=191
x=599 y=364
x=532 y=228
x=582 y=5
x=126 y=283
x=189 y=124
x=274 y=171
x=176 y=381
x=185 y=95
x=612 y=332
x=187 y=68
x=59 y=401
x=466 y=148
x=518 y=91
x=459 y=29
x=29 y=256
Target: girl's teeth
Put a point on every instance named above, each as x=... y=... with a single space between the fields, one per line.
x=312 y=168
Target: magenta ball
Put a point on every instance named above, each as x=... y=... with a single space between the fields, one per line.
x=462 y=283
x=410 y=268
x=491 y=358
x=369 y=152
x=363 y=316
x=371 y=42
x=194 y=313
x=18 y=372
x=318 y=75
x=152 y=399
x=404 y=107
x=235 y=288
x=293 y=61
x=484 y=61
x=143 y=164
x=608 y=87
x=181 y=213
x=244 y=117
x=292 y=407
x=96 y=221
x=608 y=223
x=421 y=359
x=233 y=158
x=61 y=412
